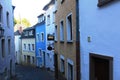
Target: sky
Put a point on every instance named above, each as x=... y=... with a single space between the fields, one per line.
x=29 y=9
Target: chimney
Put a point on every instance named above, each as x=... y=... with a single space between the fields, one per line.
x=20 y=29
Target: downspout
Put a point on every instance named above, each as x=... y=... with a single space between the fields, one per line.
x=21 y=50
x=77 y=42
x=35 y=47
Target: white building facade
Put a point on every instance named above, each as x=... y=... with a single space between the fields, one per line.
x=99 y=39
x=50 y=16
x=28 y=47
x=7 y=51
x=17 y=47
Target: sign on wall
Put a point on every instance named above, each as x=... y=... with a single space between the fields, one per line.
x=50 y=37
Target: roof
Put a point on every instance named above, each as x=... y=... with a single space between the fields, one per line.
x=50 y=3
x=29 y=28
x=26 y=31
x=17 y=33
x=40 y=15
x=43 y=22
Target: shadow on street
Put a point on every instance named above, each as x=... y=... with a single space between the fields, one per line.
x=32 y=73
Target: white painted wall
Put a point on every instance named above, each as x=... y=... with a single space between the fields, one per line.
x=27 y=52
x=50 y=30
x=103 y=26
x=8 y=34
x=17 y=48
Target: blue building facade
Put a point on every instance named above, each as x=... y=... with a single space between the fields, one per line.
x=40 y=41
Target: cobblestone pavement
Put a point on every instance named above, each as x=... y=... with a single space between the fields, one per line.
x=32 y=73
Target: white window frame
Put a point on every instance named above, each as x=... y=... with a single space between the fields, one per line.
x=61 y=30
x=31 y=32
x=56 y=33
x=61 y=67
x=48 y=19
x=40 y=20
x=32 y=47
x=53 y=17
x=69 y=29
x=29 y=47
x=7 y=19
x=40 y=52
x=37 y=37
x=26 y=33
x=69 y=61
x=24 y=46
x=42 y=37
x=43 y=18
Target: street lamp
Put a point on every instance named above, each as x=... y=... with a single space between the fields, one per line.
x=1 y=32
x=49 y=48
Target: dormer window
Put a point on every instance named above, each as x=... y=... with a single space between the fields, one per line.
x=103 y=2
x=26 y=33
x=30 y=32
x=41 y=18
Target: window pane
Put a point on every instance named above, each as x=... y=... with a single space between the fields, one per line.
x=61 y=31
x=3 y=47
x=33 y=47
x=55 y=32
x=9 y=46
x=0 y=13
x=7 y=17
x=69 y=27
x=42 y=36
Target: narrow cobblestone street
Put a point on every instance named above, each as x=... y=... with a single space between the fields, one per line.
x=32 y=73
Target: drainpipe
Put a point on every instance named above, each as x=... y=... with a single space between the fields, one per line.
x=77 y=42
x=35 y=47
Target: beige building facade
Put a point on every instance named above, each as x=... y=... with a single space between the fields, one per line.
x=66 y=52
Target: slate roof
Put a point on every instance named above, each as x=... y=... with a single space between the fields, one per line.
x=50 y=3
x=43 y=22
x=41 y=15
x=29 y=28
x=17 y=33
